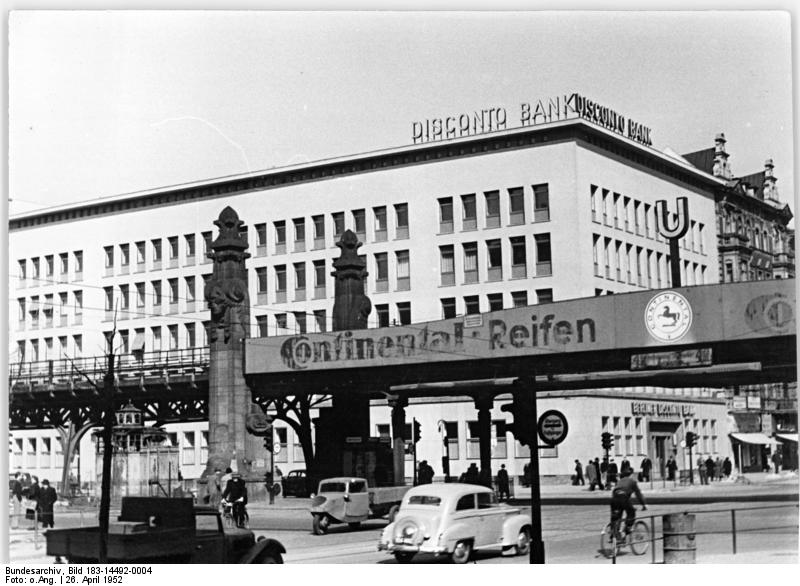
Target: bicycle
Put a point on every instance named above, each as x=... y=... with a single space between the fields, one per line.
x=229 y=516
x=614 y=539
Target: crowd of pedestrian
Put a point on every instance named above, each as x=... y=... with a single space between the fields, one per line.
x=39 y=501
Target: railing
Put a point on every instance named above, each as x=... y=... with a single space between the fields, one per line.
x=735 y=531
x=64 y=370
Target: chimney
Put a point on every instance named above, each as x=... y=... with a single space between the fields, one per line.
x=721 y=165
x=770 y=189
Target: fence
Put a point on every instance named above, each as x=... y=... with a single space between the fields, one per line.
x=737 y=523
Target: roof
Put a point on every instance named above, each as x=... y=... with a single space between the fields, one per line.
x=753 y=438
x=756 y=181
x=703 y=159
x=452 y=489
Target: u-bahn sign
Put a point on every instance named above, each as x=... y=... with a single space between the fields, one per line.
x=729 y=312
x=553 y=427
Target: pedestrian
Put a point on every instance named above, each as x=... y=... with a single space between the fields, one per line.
x=47 y=498
x=33 y=492
x=672 y=468
x=597 y=468
x=15 y=493
x=710 y=468
x=472 y=475
x=502 y=483
x=647 y=466
x=578 y=473
x=611 y=474
x=777 y=461
x=701 y=470
x=727 y=467
x=526 y=475
x=214 y=488
x=625 y=465
x=591 y=474
x=604 y=473
x=236 y=493
x=718 y=468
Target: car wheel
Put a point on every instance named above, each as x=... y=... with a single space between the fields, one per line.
x=393 y=513
x=270 y=557
x=462 y=552
x=321 y=524
x=404 y=557
x=523 y=545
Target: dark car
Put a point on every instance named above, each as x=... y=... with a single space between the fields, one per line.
x=295 y=484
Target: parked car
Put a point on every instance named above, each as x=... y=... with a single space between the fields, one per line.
x=350 y=500
x=454 y=520
x=296 y=484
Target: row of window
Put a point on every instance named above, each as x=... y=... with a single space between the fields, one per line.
x=119 y=256
x=471 y=304
x=53 y=310
x=43 y=269
x=355 y=220
x=706 y=432
x=637 y=265
x=635 y=217
x=629 y=437
x=49 y=348
x=492 y=208
x=516 y=252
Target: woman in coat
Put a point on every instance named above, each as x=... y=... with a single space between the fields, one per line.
x=47 y=498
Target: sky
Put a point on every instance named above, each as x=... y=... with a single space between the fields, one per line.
x=105 y=103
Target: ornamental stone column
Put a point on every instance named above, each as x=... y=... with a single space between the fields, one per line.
x=229 y=398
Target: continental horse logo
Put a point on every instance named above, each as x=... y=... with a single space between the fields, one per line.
x=668 y=316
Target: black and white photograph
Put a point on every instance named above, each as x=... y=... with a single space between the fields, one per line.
x=400 y=287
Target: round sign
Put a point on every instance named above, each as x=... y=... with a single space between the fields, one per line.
x=668 y=316
x=276 y=449
x=553 y=427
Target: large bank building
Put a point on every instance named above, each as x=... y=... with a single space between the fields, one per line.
x=480 y=213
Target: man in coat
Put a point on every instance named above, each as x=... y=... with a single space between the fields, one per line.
x=502 y=483
x=701 y=470
x=599 y=471
x=672 y=468
x=47 y=498
x=647 y=466
x=15 y=493
x=710 y=468
x=591 y=474
x=236 y=493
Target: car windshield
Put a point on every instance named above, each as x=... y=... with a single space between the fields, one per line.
x=332 y=487
x=433 y=501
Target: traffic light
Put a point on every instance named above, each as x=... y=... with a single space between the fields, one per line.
x=268 y=441
x=416 y=431
x=607 y=440
x=522 y=410
x=691 y=439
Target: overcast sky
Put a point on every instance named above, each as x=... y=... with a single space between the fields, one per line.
x=103 y=103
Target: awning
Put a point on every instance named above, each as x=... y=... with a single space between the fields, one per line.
x=789 y=437
x=753 y=438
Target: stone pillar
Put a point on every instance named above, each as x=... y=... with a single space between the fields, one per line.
x=484 y=406
x=398 y=405
x=229 y=397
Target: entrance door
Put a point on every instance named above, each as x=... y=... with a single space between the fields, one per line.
x=659 y=457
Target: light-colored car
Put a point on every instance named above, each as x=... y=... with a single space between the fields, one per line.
x=454 y=519
x=350 y=500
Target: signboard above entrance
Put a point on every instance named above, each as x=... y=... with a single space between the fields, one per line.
x=722 y=313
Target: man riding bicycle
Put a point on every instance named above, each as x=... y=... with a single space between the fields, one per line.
x=621 y=500
x=236 y=493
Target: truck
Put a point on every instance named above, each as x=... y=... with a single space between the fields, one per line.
x=157 y=530
x=350 y=500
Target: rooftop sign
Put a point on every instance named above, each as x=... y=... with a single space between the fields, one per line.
x=530 y=114
x=729 y=312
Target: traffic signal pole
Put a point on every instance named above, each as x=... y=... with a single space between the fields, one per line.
x=528 y=394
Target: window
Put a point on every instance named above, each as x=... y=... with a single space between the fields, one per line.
x=108 y=294
x=360 y=223
x=77 y=344
x=156 y=293
x=299 y=234
x=492 y=209
x=261 y=239
x=495 y=301
x=299 y=281
x=487 y=500
x=544 y=265
x=280 y=321
x=261 y=282
x=48 y=263
x=516 y=206
x=544 y=296
x=469 y=212
x=207 y=245
x=403 y=271
x=593 y=202
x=156 y=252
x=382 y=311
x=280 y=236
x=173 y=291
x=63 y=263
x=156 y=338
x=647 y=220
x=109 y=257
x=466 y=503
x=381 y=272
x=471 y=305
x=173 y=337
x=319 y=279
x=470 y=262
x=519 y=298
x=445 y=215
x=191 y=336
x=321 y=320
x=261 y=324
x=338 y=225
x=448 y=308
x=78 y=296
x=140 y=294
x=35 y=266
x=172 y=243
x=300 y=321
x=319 y=231
x=541 y=202
x=404 y=313
x=78 y=258
x=495 y=256
x=21 y=306
x=401 y=212
x=23 y=273
x=381 y=229
x=280 y=283
x=188 y=448
x=447 y=265
x=190 y=293
x=636 y=224
x=190 y=248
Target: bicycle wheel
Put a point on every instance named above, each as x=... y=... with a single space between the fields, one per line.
x=639 y=538
x=607 y=541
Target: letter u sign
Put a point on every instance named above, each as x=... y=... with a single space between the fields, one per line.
x=665 y=227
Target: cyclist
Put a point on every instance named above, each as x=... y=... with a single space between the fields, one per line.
x=621 y=500
x=236 y=493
